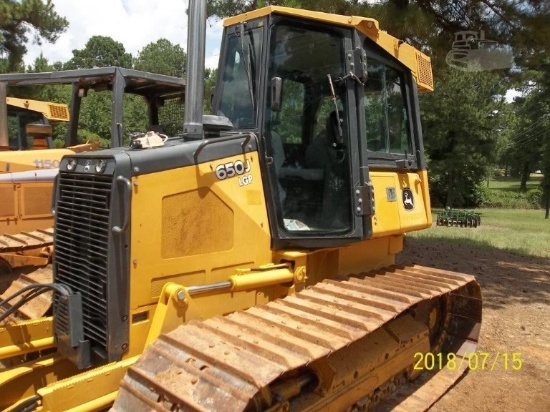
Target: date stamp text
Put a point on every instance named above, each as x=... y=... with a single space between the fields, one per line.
x=476 y=361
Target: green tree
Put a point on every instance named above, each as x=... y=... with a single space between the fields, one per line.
x=100 y=51
x=40 y=64
x=461 y=129
x=210 y=76
x=17 y=18
x=162 y=57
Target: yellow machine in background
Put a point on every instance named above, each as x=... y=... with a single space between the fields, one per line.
x=248 y=264
x=26 y=151
x=29 y=123
x=28 y=145
x=26 y=176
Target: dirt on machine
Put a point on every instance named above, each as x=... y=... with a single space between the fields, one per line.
x=248 y=263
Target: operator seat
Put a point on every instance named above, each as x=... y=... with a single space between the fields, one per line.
x=326 y=152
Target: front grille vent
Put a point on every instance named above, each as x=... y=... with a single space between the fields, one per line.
x=81 y=251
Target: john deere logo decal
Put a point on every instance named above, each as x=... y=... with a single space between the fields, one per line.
x=408 y=200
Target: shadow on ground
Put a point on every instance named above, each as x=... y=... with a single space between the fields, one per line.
x=504 y=277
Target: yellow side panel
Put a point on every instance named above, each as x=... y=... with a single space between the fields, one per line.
x=192 y=228
x=8 y=207
x=396 y=212
x=36 y=199
x=190 y=219
x=25 y=206
x=14 y=161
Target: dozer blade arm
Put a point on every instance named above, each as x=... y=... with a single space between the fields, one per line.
x=26 y=337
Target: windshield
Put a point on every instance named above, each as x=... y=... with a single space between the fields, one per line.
x=308 y=132
x=238 y=96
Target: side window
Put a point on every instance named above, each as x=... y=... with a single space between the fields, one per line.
x=237 y=103
x=386 y=110
x=240 y=76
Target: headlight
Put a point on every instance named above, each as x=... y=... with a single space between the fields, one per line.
x=100 y=166
x=71 y=164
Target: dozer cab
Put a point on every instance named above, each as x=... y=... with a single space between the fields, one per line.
x=29 y=123
x=249 y=263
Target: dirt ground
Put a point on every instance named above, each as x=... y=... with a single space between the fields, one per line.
x=516 y=319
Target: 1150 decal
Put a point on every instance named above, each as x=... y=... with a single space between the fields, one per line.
x=46 y=163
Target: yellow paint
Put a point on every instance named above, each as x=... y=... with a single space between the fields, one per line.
x=22 y=160
x=25 y=206
x=26 y=337
x=391 y=217
x=416 y=61
x=259 y=279
x=91 y=390
x=54 y=112
x=202 y=251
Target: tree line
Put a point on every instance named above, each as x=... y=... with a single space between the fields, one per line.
x=471 y=131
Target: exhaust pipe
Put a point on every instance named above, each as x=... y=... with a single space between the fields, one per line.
x=194 y=84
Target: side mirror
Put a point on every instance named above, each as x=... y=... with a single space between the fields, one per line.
x=276 y=89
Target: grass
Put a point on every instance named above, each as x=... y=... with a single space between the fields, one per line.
x=524 y=232
x=505 y=193
x=509 y=184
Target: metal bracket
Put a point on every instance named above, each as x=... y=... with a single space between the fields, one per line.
x=364 y=200
x=357 y=64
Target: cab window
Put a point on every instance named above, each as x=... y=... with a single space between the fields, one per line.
x=308 y=132
x=386 y=110
x=240 y=77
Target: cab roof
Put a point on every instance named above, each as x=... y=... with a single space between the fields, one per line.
x=413 y=59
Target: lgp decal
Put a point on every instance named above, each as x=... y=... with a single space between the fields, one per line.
x=408 y=199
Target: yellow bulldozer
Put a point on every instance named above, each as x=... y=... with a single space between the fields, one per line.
x=29 y=124
x=26 y=149
x=248 y=263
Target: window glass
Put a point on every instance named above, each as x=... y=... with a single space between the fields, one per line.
x=16 y=128
x=308 y=134
x=386 y=110
x=238 y=97
x=289 y=120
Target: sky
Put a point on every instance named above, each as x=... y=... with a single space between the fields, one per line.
x=134 y=23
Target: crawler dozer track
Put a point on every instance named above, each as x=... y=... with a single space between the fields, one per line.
x=28 y=249
x=26 y=240
x=337 y=345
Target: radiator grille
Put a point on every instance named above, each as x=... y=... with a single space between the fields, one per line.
x=425 y=71
x=81 y=249
x=59 y=112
